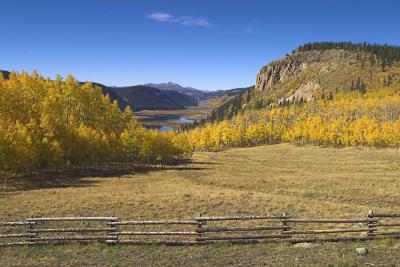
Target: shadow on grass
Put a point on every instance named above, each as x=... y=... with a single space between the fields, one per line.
x=204 y=163
x=83 y=177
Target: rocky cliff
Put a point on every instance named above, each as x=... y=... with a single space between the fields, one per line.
x=306 y=75
x=280 y=70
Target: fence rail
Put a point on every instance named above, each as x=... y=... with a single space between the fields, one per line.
x=201 y=230
x=152 y=222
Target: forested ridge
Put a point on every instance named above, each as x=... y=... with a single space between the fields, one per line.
x=353 y=95
x=387 y=53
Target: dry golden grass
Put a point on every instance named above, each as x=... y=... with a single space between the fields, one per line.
x=303 y=181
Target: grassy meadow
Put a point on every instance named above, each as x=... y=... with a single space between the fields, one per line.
x=304 y=181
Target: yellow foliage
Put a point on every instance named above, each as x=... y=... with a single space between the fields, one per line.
x=47 y=124
x=350 y=119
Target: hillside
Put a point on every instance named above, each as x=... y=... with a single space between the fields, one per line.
x=181 y=99
x=317 y=71
x=113 y=95
x=145 y=97
x=197 y=94
x=170 y=86
x=226 y=93
x=229 y=104
x=331 y=94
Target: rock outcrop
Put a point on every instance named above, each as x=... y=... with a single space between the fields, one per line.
x=279 y=71
x=305 y=76
x=308 y=75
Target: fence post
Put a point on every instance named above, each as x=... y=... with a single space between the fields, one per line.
x=31 y=230
x=112 y=234
x=371 y=224
x=198 y=230
x=285 y=225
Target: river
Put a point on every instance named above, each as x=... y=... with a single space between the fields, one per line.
x=164 y=122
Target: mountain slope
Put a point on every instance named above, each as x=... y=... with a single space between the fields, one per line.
x=181 y=99
x=317 y=71
x=145 y=97
x=113 y=95
x=226 y=93
x=170 y=86
x=196 y=94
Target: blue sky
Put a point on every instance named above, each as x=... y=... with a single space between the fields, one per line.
x=207 y=44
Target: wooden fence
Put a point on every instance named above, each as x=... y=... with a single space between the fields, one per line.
x=201 y=230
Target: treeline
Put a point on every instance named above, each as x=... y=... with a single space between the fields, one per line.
x=387 y=53
x=349 y=119
x=59 y=124
x=247 y=100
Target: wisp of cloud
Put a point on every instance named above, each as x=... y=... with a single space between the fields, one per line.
x=184 y=20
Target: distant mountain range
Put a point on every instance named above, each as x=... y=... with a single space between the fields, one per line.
x=196 y=93
x=181 y=98
x=190 y=91
x=167 y=96
x=146 y=97
x=173 y=86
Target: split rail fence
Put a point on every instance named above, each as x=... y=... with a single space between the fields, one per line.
x=201 y=230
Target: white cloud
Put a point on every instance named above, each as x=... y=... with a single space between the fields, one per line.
x=196 y=22
x=184 y=21
x=159 y=16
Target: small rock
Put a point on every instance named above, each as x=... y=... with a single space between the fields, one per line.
x=362 y=251
x=303 y=245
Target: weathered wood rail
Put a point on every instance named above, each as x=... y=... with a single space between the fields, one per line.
x=201 y=230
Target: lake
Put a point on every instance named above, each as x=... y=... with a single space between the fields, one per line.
x=164 y=122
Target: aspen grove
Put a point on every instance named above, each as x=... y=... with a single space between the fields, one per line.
x=57 y=124
x=349 y=119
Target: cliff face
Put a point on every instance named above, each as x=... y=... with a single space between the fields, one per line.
x=279 y=71
x=304 y=76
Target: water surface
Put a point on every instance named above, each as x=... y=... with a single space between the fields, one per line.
x=163 y=122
